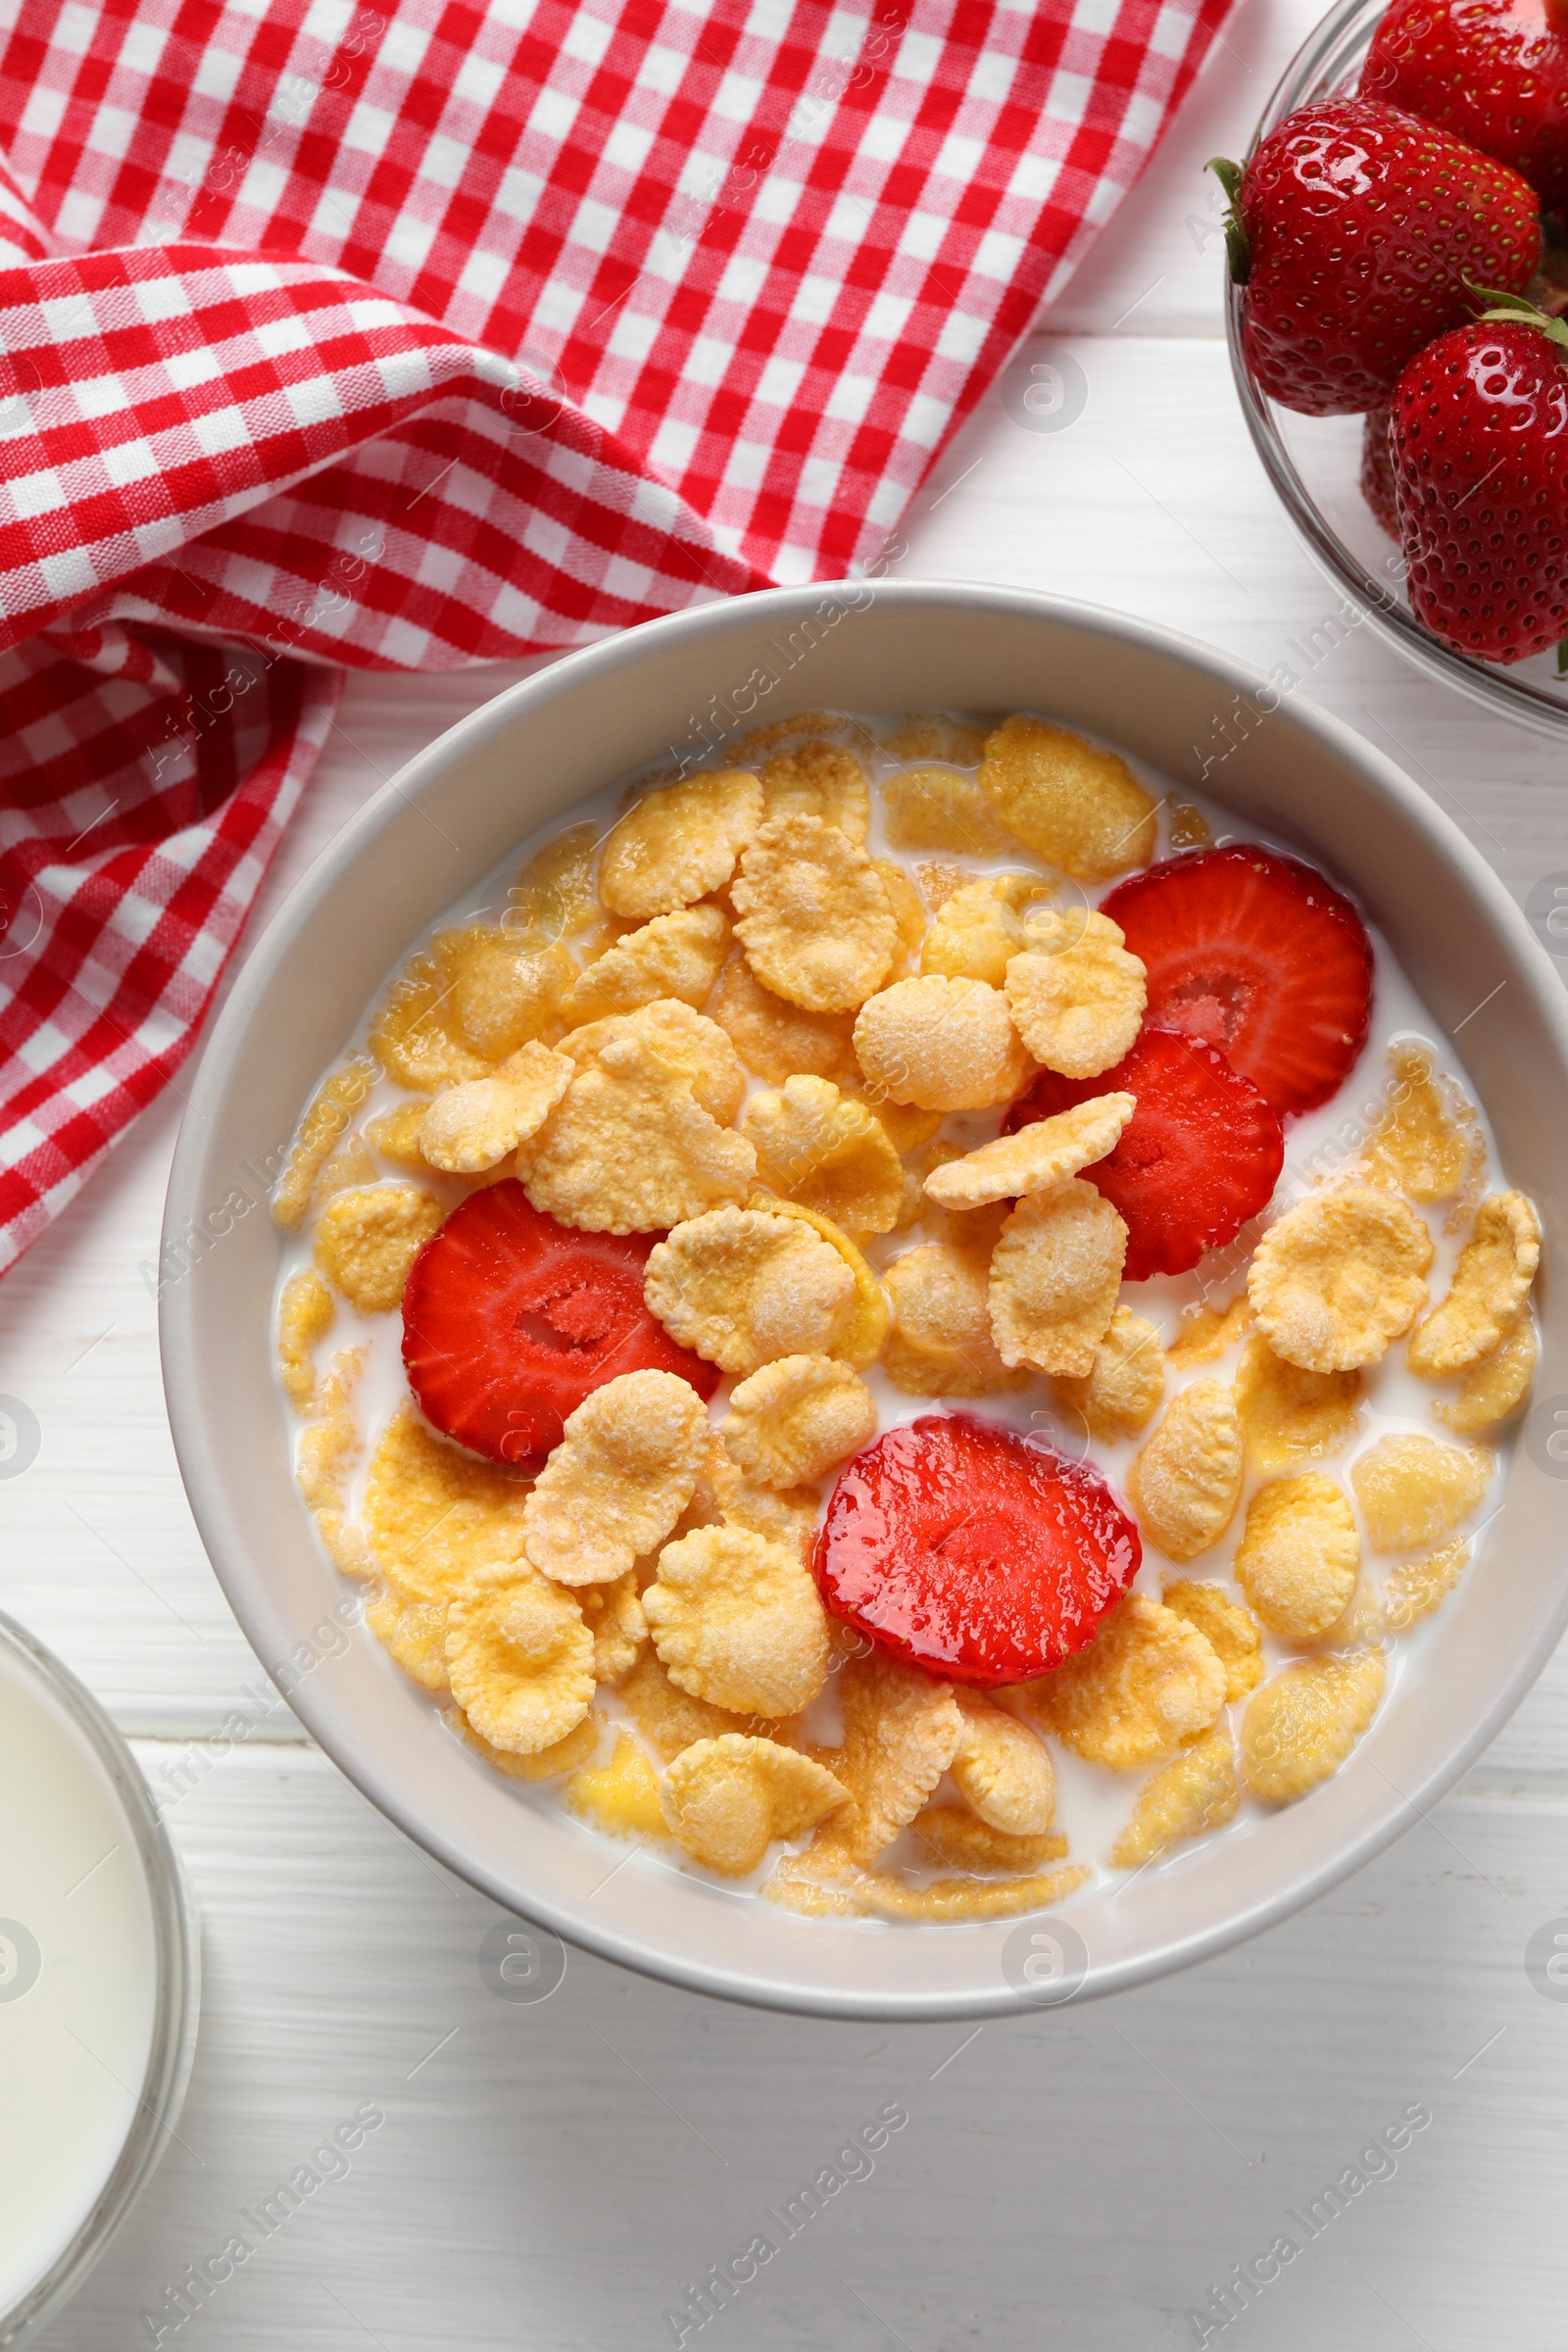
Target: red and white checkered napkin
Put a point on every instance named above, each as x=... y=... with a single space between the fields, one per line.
x=438 y=334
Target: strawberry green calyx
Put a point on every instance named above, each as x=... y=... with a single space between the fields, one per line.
x=1516 y=311
x=1237 y=252
x=1562 y=656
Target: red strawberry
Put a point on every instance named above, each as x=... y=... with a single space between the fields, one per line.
x=1377 y=471
x=1493 y=73
x=966 y=1547
x=1260 y=955
x=509 y=1320
x=1357 y=231
x=1200 y=1154
x=1478 y=433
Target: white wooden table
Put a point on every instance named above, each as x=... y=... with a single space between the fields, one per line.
x=553 y=2177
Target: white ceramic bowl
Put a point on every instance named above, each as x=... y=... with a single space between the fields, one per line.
x=530 y=755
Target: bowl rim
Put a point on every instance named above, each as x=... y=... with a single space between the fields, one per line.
x=586 y=670
x=1489 y=683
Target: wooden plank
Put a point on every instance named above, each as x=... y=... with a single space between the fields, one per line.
x=555 y=2175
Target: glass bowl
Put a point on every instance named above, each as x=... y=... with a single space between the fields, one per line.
x=116 y=1950
x=1314 y=463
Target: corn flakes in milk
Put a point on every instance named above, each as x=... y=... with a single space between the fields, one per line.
x=732 y=1024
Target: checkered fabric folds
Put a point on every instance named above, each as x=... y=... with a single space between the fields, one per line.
x=437 y=334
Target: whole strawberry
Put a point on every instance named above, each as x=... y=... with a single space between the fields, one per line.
x=1355 y=229
x=1477 y=437
x=1493 y=71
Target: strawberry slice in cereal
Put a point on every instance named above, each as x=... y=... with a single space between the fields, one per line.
x=1260 y=955
x=964 y=1548
x=510 y=1319
x=1202 y=1153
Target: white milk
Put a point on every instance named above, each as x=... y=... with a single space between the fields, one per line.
x=77 y=1978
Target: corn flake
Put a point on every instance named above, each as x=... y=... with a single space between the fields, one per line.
x=396 y=1135
x=1036 y=1157
x=366 y=1241
x=331 y=1445
x=416 y=1036
x=414 y=1635
x=1300 y=1727
x=574 y=1748
x=1227 y=1625
x=980 y=927
x=944 y=1901
x=1418 y=1586
x=1003 y=1771
x=675 y=955
x=686 y=1043
x=727 y=1799
x=625 y=1470
x=1082 y=808
x=775 y=1038
x=1148 y=1682
x=519 y=1658
x=679 y=842
x=433 y=1513
x=613 y=1615
x=1188 y=827
x=1185 y=1483
x=508 y=992
x=352 y=1163
x=1490 y=1284
x=742 y=1286
x=1338 y=1277
x=1422 y=1143
x=957 y=1839
x=480 y=1124
x=322 y=1129
x=859 y=1339
x=793 y=1418
x=900 y=1731
x=1055 y=1275
x=724 y=1494
x=620 y=1797
x=554 y=897
x=906 y=1127
x=631 y=1146
x=669 y=1718
x=941 y=1045
x=827 y=1151
x=737 y=1620
x=821 y=780
x=1205 y=1333
x=813 y=916
x=1197 y=1790
x=1496 y=1387
x=1414 y=1491
x=909 y=912
x=1299 y=1556
x=937 y=735
x=1289 y=1415
x=1121 y=1391
x=1076 y=995
x=941 y=1343
x=305 y=1315
x=938 y=809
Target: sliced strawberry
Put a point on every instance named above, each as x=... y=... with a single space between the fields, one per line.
x=509 y=1320
x=1200 y=1154
x=1260 y=955
x=965 y=1547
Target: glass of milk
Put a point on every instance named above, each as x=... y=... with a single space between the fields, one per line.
x=98 y=1983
